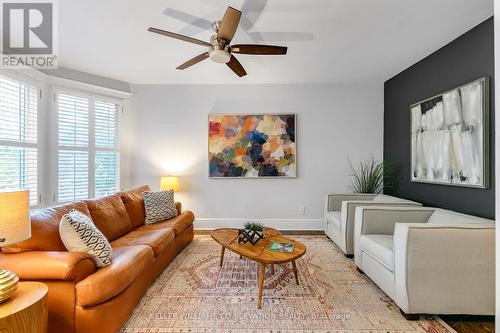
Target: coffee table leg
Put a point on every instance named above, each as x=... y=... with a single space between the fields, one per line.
x=295 y=271
x=262 y=273
x=222 y=256
x=272 y=268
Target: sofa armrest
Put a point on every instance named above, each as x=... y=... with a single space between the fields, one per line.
x=178 y=207
x=334 y=201
x=49 y=265
x=382 y=219
x=443 y=268
x=348 y=213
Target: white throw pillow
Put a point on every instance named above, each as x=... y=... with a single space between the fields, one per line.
x=79 y=234
x=159 y=206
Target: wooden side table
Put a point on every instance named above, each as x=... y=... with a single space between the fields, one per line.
x=26 y=311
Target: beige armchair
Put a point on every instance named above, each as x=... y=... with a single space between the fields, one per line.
x=339 y=215
x=428 y=260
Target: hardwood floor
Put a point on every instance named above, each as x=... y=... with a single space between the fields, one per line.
x=471 y=324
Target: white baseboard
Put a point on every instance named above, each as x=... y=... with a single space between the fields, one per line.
x=281 y=224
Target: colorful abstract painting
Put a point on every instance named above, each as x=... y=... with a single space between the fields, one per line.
x=252 y=146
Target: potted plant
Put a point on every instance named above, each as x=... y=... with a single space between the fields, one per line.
x=252 y=232
x=373 y=176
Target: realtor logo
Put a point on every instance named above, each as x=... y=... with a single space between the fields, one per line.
x=28 y=34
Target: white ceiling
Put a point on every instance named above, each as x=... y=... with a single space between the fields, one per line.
x=329 y=41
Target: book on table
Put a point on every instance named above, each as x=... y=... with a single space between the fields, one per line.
x=282 y=247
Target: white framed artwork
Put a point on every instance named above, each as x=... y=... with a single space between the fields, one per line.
x=449 y=137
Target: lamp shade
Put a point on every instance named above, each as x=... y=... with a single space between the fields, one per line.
x=15 y=222
x=169 y=183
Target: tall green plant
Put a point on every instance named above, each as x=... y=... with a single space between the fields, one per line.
x=373 y=176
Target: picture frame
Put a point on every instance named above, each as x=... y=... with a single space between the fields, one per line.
x=292 y=124
x=449 y=137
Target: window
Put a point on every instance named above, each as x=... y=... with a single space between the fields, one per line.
x=88 y=146
x=73 y=141
x=107 y=146
x=19 y=141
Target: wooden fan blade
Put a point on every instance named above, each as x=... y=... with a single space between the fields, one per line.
x=258 y=49
x=236 y=67
x=178 y=36
x=229 y=24
x=193 y=61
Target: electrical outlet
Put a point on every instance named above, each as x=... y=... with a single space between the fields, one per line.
x=302 y=210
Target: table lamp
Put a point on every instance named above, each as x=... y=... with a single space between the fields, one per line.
x=15 y=226
x=169 y=183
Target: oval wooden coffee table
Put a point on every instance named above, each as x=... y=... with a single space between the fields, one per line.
x=260 y=252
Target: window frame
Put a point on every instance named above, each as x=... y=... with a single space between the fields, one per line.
x=91 y=149
x=41 y=130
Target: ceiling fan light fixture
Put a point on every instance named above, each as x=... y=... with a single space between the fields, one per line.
x=220 y=56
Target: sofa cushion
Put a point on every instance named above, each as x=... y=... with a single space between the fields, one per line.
x=178 y=223
x=110 y=216
x=79 y=234
x=134 y=204
x=158 y=239
x=159 y=206
x=45 y=229
x=127 y=264
x=379 y=247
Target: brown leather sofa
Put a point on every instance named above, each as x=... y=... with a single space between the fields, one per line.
x=81 y=297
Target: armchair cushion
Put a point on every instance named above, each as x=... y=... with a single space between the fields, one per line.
x=49 y=265
x=380 y=248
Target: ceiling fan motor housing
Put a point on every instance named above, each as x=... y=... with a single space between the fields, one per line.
x=219 y=53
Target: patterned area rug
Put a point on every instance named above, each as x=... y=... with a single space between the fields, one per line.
x=194 y=294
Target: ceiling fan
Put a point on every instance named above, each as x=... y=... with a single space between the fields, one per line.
x=219 y=48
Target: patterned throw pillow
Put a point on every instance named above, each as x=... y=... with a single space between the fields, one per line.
x=159 y=206
x=79 y=234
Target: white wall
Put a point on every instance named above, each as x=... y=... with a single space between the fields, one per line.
x=169 y=136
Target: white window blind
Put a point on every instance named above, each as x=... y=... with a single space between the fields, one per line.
x=19 y=143
x=107 y=146
x=73 y=156
x=89 y=147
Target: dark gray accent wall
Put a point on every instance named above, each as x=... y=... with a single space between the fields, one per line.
x=465 y=59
